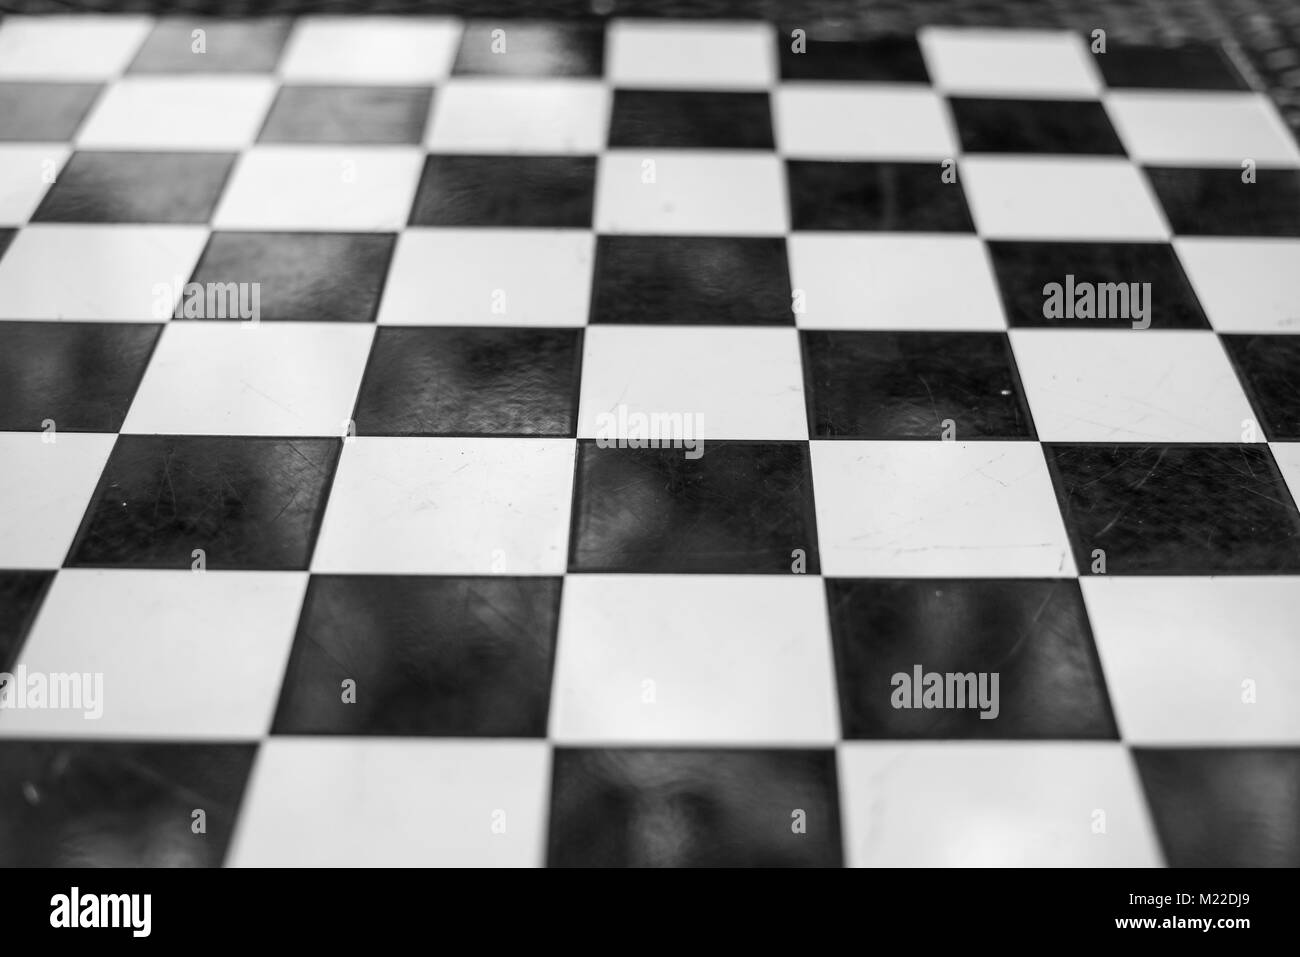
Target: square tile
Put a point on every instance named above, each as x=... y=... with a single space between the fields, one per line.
x=913 y=385
x=1125 y=385
x=454 y=657
x=1015 y=658
x=6 y=237
x=862 y=121
x=178 y=113
x=691 y=55
x=994 y=62
x=1202 y=129
x=70 y=47
x=225 y=46
x=489 y=277
x=27 y=172
x=553 y=191
x=628 y=807
x=471 y=381
x=1245 y=285
x=1057 y=198
x=691 y=280
x=887 y=281
x=690 y=192
x=368 y=115
x=494 y=115
x=224 y=378
x=656 y=677
x=127 y=187
x=742 y=508
x=405 y=803
x=938 y=509
x=247 y=503
x=988 y=125
x=1188 y=66
x=1176 y=509
x=898 y=197
x=449 y=506
x=1216 y=202
x=375 y=49
x=511 y=47
x=826 y=56
x=1266 y=365
x=21 y=594
x=226 y=634
x=48 y=112
x=681 y=119
x=320 y=188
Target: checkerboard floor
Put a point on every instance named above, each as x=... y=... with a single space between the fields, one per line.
x=366 y=584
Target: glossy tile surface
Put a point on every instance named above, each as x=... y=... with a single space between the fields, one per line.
x=553 y=191
x=1033 y=126
x=99 y=187
x=665 y=119
x=356 y=114
x=1216 y=202
x=1266 y=366
x=898 y=197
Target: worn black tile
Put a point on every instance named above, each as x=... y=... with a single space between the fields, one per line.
x=249 y=503
x=531 y=49
x=1176 y=509
x=318 y=277
x=898 y=197
x=913 y=385
x=826 y=57
x=1032 y=634
x=124 y=187
x=448 y=380
x=1190 y=66
x=741 y=507
x=229 y=46
x=44 y=112
x=347 y=114
x=460 y=657
x=1034 y=126
x=691 y=280
x=556 y=191
x=117 y=804
x=1024 y=269
x=21 y=594
x=671 y=119
x=1266 y=366
x=1224 y=807
x=632 y=807
x=81 y=375
x=1216 y=202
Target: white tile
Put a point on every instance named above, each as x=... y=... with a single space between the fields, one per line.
x=26 y=173
x=179 y=113
x=739 y=193
x=491 y=115
x=868 y=121
x=449 y=506
x=53 y=481
x=1041 y=198
x=735 y=383
x=183 y=654
x=1287 y=455
x=1013 y=63
x=263 y=378
x=1201 y=129
x=1245 y=285
x=1198 y=660
x=81 y=47
x=372 y=49
x=693 y=55
x=489 y=277
x=657 y=675
x=1130 y=385
x=941 y=509
x=979 y=804
x=57 y=271
x=321 y=188
x=375 y=802
x=893 y=281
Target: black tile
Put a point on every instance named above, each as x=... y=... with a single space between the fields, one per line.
x=531 y=49
x=6 y=237
x=898 y=197
x=229 y=46
x=887 y=59
x=1215 y=202
x=694 y=808
x=1267 y=368
x=691 y=280
x=122 y=187
x=1032 y=634
x=48 y=112
x=318 y=277
x=668 y=119
x=1191 y=66
x=1034 y=126
x=249 y=503
x=913 y=385
x=81 y=375
x=21 y=594
x=458 y=657
x=741 y=507
x=553 y=191
x=80 y=804
x=1024 y=269
x=1176 y=509
x=1224 y=807
x=347 y=114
